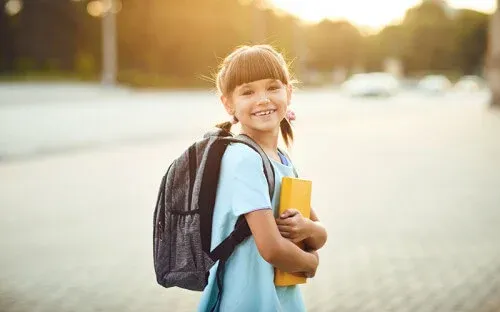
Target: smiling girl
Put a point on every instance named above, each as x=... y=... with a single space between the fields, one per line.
x=256 y=89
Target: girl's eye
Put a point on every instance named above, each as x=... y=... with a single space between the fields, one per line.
x=274 y=87
x=247 y=92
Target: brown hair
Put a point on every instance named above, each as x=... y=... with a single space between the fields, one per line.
x=251 y=63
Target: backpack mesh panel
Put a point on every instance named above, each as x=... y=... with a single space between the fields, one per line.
x=179 y=257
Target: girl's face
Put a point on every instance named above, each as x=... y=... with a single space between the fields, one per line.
x=259 y=105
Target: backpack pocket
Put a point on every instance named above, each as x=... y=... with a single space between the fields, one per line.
x=181 y=261
x=180 y=182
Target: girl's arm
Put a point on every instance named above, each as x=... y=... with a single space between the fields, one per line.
x=317 y=233
x=293 y=226
x=278 y=251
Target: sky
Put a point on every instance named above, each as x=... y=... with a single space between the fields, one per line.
x=374 y=14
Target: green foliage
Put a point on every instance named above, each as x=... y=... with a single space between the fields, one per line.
x=333 y=44
x=471 y=41
x=174 y=43
x=25 y=64
x=52 y=65
x=85 y=65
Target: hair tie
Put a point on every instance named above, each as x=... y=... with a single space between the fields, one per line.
x=290 y=115
x=234 y=120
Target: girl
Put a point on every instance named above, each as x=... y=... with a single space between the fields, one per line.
x=255 y=87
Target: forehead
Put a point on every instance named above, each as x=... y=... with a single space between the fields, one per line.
x=257 y=83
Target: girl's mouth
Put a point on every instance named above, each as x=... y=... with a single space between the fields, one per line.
x=264 y=113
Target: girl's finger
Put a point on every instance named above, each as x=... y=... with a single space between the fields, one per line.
x=287 y=221
x=285 y=228
x=289 y=213
x=290 y=235
x=285 y=234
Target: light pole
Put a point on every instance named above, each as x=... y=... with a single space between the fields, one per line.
x=109 y=51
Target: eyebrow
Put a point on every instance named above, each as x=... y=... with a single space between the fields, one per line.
x=244 y=87
x=248 y=84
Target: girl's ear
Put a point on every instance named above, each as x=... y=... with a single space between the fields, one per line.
x=289 y=91
x=227 y=104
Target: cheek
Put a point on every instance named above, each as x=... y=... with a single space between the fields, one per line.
x=281 y=94
x=242 y=107
x=280 y=98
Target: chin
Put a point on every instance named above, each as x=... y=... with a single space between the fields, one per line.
x=266 y=128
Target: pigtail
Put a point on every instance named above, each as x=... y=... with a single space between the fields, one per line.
x=286 y=132
x=226 y=126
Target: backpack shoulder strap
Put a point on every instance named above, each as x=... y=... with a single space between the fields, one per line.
x=288 y=157
x=241 y=230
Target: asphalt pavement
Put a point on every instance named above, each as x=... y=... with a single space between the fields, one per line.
x=408 y=188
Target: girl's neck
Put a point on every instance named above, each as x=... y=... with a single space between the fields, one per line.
x=267 y=141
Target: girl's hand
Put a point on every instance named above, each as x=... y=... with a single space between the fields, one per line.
x=293 y=226
x=312 y=273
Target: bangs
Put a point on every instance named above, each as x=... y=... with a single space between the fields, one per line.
x=255 y=64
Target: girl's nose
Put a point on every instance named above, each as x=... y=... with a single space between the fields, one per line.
x=264 y=100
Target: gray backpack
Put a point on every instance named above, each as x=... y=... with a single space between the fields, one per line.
x=182 y=221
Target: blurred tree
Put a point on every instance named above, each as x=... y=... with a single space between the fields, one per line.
x=388 y=43
x=493 y=64
x=333 y=44
x=180 y=39
x=282 y=33
x=45 y=36
x=8 y=31
x=85 y=65
x=429 y=39
x=183 y=40
x=87 y=59
x=471 y=36
x=40 y=38
x=167 y=42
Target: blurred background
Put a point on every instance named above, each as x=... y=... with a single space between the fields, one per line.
x=398 y=127
x=167 y=44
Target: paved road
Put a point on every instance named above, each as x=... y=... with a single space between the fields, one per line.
x=407 y=187
x=70 y=117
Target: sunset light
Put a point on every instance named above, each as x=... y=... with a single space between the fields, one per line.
x=372 y=14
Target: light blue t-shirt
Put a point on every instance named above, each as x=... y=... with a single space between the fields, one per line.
x=248 y=278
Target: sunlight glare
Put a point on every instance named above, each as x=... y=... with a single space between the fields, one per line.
x=358 y=12
x=95 y=8
x=372 y=14
x=13 y=7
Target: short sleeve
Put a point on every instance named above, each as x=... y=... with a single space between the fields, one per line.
x=250 y=190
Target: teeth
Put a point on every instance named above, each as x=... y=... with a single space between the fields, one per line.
x=264 y=113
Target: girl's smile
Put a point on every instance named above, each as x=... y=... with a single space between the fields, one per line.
x=264 y=112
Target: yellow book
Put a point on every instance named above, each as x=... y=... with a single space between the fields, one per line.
x=296 y=194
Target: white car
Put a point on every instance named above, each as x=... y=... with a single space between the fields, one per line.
x=434 y=84
x=469 y=84
x=371 y=84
